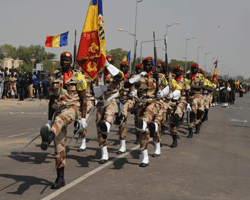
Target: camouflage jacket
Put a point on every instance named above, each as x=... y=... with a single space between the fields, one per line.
x=124 y=92
x=196 y=80
x=66 y=93
x=185 y=85
x=147 y=87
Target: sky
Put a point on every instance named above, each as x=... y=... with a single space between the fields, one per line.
x=221 y=25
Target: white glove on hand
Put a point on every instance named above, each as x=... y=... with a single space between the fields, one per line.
x=143 y=73
x=170 y=96
x=217 y=89
x=133 y=93
x=49 y=123
x=189 y=107
x=159 y=94
x=83 y=123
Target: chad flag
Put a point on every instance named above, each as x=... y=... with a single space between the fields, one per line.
x=215 y=79
x=91 y=56
x=57 y=41
x=127 y=57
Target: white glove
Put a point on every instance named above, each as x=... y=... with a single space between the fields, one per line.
x=189 y=107
x=83 y=122
x=159 y=94
x=170 y=96
x=217 y=89
x=49 y=123
x=112 y=69
x=133 y=94
x=143 y=73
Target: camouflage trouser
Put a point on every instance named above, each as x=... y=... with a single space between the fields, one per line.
x=224 y=96
x=180 y=110
x=210 y=97
x=150 y=111
x=105 y=113
x=197 y=103
x=59 y=127
x=168 y=108
x=206 y=100
x=90 y=105
x=13 y=87
x=127 y=106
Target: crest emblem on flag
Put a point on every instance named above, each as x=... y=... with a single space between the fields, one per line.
x=91 y=56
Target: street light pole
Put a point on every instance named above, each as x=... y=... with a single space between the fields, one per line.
x=197 y=51
x=166 y=46
x=205 y=60
x=194 y=37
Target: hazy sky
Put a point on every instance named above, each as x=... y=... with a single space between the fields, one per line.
x=222 y=25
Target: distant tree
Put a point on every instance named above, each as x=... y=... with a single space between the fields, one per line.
x=118 y=54
x=7 y=51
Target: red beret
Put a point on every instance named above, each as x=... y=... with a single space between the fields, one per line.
x=124 y=63
x=109 y=58
x=208 y=77
x=160 y=63
x=195 y=65
x=177 y=68
x=169 y=66
x=139 y=66
x=66 y=54
x=147 y=58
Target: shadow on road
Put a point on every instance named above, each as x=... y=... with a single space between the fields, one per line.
x=25 y=183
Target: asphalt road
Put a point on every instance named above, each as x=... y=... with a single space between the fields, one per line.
x=212 y=165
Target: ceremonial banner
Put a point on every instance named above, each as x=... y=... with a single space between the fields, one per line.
x=57 y=41
x=127 y=57
x=91 y=56
x=215 y=79
x=238 y=83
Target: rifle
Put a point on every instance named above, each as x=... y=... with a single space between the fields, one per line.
x=74 y=61
x=155 y=74
x=166 y=70
x=133 y=64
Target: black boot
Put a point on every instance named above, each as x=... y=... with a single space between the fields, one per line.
x=47 y=137
x=190 y=135
x=197 y=130
x=174 y=144
x=59 y=182
x=151 y=128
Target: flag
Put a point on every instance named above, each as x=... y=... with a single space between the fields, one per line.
x=57 y=41
x=238 y=83
x=127 y=57
x=91 y=56
x=215 y=78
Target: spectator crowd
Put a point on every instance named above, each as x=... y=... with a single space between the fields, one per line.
x=21 y=86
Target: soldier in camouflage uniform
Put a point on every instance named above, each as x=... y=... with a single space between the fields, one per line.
x=195 y=103
x=67 y=95
x=179 y=82
x=126 y=104
x=147 y=86
x=107 y=108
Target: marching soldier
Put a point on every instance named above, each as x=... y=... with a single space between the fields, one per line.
x=148 y=86
x=195 y=99
x=67 y=95
x=179 y=82
x=126 y=104
x=107 y=108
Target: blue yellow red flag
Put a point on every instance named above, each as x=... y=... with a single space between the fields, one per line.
x=215 y=78
x=127 y=57
x=59 y=40
x=91 y=56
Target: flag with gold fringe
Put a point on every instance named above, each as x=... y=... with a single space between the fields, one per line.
x=91 y=56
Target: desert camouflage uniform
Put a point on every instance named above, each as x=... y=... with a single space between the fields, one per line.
x=181 y=104
x=128 y=104
x=196 y=100
x=148 y=111
x=108 y=111
x=90 y=101
x=205 y=94
x=66 y=108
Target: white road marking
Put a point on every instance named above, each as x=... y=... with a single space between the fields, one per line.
x=85 y=176
x=238 y=120
x=18 y=134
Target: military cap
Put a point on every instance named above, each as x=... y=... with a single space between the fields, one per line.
x=139 y=66
x=195 y=65
x=109 y=58
x=147 y=58
x=160 y=63
x=66 y=54
x=124 y=63
x=177 y=68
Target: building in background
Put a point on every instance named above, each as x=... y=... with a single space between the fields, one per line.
x=10 y=63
